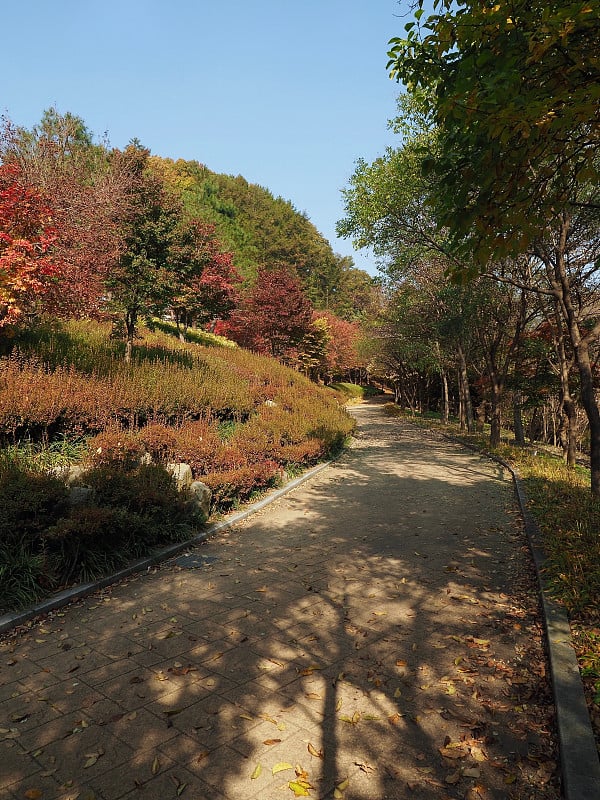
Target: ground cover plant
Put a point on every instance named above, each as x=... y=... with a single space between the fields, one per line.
x=241 y=421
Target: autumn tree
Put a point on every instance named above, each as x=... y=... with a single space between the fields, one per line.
x=206 y=282
x=274 y=316
x=61 y=160
x=27 y=237
x=513 y=92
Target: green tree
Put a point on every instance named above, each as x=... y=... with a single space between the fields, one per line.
x=142 y=282
x=514 y=91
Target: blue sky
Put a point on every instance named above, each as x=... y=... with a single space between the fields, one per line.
x=288 y=94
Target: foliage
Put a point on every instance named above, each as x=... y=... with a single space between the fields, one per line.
x=262 y=230
x=514 y=93
x=274 y=316
x=26 y=238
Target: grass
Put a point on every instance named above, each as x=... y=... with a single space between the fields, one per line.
x=353 y=392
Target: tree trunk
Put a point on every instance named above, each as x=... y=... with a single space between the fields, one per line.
x=130 y=323
x=466 y=393
x=445 y=397
x=518 y=418
x=496 y=417
x=461 y=406
x=588 y=401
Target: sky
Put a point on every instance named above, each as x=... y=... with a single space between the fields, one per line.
x=287 y=93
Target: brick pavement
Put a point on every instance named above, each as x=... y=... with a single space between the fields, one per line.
x=360 y=638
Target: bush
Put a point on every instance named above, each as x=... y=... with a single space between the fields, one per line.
x=30 y=501
x=230 y=486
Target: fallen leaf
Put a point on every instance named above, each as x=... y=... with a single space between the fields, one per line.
x=92 y=758
x=33 y=794
x=281 y=766
x=272 y=741
x=314 y=752
x=256 y=773
x=472 y=772
x=155 y=765
x=299 y=788
x=454 y=752
x=400 y=663
x=453 y=778
x=201 y=756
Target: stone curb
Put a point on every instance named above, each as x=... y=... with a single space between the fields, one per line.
x=580 y=764
x=10 y=621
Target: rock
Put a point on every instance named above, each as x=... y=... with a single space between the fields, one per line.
x=182 y=474
x=68 y=474
x=80 y=495
x=201 y=497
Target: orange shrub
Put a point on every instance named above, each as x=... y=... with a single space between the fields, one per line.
x=239 y=484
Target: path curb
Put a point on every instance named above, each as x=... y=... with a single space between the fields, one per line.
x=580 y=764
x=57 y=601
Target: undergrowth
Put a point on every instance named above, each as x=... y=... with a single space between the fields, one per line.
x=241 y=421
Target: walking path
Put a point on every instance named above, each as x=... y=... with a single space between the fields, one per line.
x=373 y=634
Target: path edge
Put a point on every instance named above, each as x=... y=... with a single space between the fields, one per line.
x=15 y=619
x=579 y=760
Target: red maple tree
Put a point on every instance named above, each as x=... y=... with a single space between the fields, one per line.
x=27 y=234
x=274 y=316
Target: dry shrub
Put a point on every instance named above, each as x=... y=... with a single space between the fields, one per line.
x=159 y=441
x=198 y=444
x=307 y=452
x=116 y=449
x=231 y=486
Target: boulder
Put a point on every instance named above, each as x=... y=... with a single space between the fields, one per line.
x=201 y=496
x=182 y=474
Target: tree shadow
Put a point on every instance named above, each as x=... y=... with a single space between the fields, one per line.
x=366 y=638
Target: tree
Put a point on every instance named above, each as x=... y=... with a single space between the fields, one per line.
x=207 y=281
x=27 y=235
x=514 y=94
x=60 y=159
x=274 y=316
x=142 y=282
x=513 y=90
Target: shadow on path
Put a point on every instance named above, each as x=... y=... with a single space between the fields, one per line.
x=373 y=634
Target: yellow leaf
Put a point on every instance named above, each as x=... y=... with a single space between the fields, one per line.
x=281 y=766
x=299 y=788
x=339 y=704
x=343 y=785
x=256 y=773
x=155 y=765
x=314 y=752
x=397 y=693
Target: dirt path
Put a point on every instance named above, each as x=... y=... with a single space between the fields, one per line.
x=374 y=634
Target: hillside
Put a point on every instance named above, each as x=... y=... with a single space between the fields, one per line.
x=239 y=420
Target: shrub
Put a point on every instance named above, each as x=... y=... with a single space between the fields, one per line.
x=198 y=444
x=231 y=486
x=30 y=501
x=116 y=449
x=159 y=441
